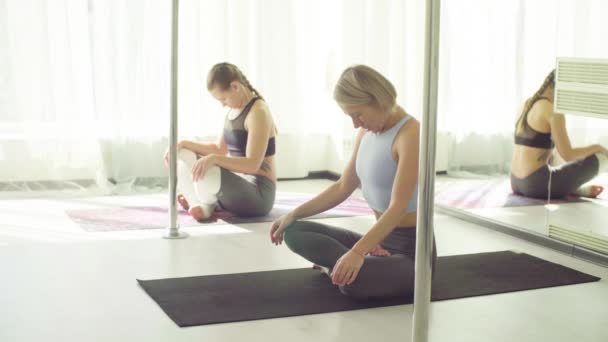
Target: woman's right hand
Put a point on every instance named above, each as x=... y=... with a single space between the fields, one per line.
x=278 y=227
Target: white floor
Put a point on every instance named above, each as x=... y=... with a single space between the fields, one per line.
x=62 y=284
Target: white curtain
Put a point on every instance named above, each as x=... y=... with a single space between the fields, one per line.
x=85 y=81
x=84 y=85
x=46 y=105
x=493 y=55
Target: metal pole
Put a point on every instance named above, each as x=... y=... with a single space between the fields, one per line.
x=426 y=177
x=173 y=229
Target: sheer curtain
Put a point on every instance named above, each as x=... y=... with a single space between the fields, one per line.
x=47 y=103
x=495 y=54
x=84 y=79
x=84 y=85
x=293 y=52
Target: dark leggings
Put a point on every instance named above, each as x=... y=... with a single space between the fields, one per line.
x=565 y=179
x=379 y=276
x=246 y=195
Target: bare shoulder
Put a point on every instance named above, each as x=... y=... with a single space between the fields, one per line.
x=407 y=139
x=258 y=112
x=260 y=107
x=542 y=108
x=411 y=129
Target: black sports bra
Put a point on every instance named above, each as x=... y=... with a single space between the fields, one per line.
x=531 y=137
x=236 y=136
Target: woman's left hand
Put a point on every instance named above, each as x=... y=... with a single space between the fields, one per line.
x=347 y=268
x=200 y=168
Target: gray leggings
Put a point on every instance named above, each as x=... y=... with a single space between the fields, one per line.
x=565 y=179
x=246 y=195
x=379 y=276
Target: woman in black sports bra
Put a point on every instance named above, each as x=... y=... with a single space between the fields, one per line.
x=537 y=132
x=238 y=172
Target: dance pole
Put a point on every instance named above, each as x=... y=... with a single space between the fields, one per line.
x=426 y=178
x=172 y=231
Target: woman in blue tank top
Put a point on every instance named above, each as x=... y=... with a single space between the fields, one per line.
x=384 y=164
x=538 y=132
x=238 y=172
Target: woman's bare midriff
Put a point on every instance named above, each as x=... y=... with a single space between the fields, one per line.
x=526 y=160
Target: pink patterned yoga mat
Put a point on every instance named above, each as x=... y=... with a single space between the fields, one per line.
x=485 y=193
x=119 y=218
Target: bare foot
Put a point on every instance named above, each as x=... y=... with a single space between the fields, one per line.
x=591 y=191
x=596 y=190
x=182 y=201
x=197 y=213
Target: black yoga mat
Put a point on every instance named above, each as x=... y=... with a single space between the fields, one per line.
x=258 y=295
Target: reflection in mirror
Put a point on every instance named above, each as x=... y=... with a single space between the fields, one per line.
x=551 y=185
x=582 y=92
x=482 y=91
x=513 y=191
x=557 y=170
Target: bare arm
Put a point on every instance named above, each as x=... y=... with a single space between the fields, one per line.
x=332 y=196
x=406 y=178
x=259 y=128
x=562 y=141
x=337 y=192
x=205 y=149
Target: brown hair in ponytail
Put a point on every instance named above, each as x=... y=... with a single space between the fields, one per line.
x=548 y=82
x=222 y=74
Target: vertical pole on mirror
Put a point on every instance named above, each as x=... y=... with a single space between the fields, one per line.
x=172 y=231
x=426 y=178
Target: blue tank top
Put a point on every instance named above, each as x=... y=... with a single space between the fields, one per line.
x=376 y=168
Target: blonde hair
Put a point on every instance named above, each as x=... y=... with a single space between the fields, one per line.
x=548 y=82
x=222 y=74
x=362 y=85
